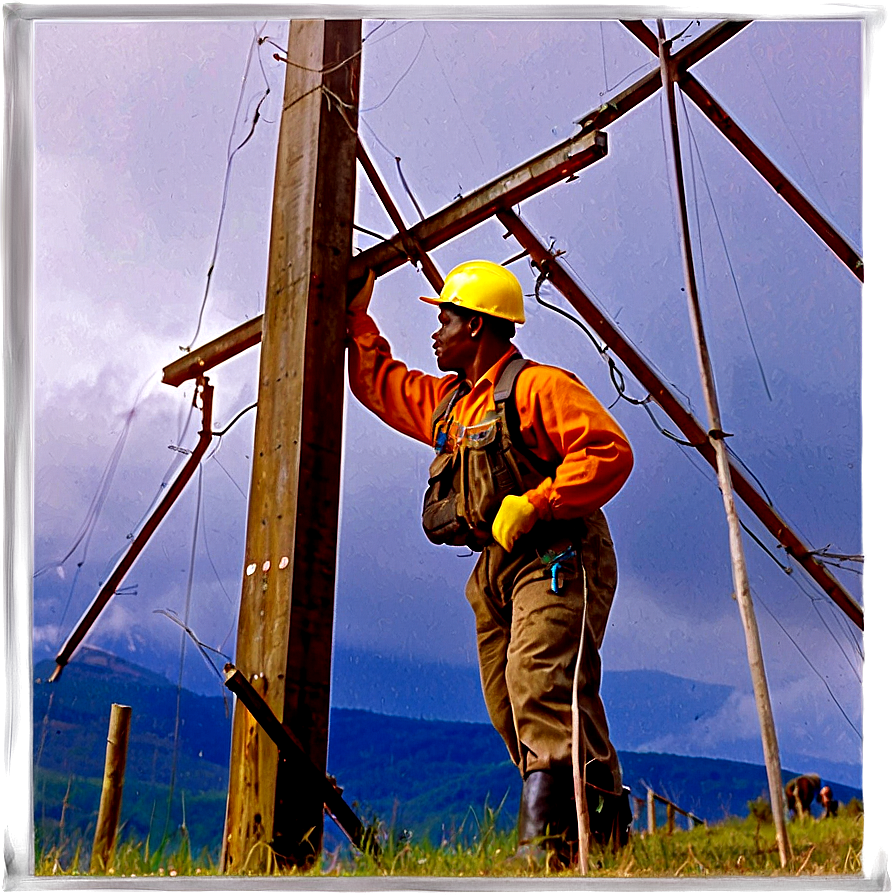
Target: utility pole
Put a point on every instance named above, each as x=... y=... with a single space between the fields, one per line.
x=285 y=629
x=717 y=438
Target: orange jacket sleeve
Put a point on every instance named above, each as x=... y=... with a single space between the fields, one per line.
x=404 y=399
x=560 y=418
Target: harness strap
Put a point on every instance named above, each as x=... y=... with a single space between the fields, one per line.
x=505 y=395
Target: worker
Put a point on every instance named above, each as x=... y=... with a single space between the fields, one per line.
x=525 y=459
x=800 y=793
x=829 y=806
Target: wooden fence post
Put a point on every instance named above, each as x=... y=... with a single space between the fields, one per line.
x=113 y=782
x=651 y=812
x=670 y=817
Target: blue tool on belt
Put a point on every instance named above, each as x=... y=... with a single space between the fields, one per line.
x=555 y=562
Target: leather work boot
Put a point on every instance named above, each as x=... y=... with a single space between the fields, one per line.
x=610 y=816
x=546 y=820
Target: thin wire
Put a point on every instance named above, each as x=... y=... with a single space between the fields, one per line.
x=799 y=148
x=317 y=71
x=684 y=397
x=183 y=647
x=245 y=410
x=809 y=662
x=372 y=233
x=211 y=562
x=238 y=486
x=201 y=646
x=373 y=133
x=615 y=374
x=227 y=172
x=373 y=31
x=755 y=537
x=451 y=91
x=400 y=79
x=622 y=80
x=407 y=188
x=743 y=310
x=808 y=586
x=603 y=55
x=85 y=530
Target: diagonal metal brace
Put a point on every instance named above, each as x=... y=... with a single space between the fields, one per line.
x=204 y=392
x=738 y=137
x=547 y=262
x=319 y=785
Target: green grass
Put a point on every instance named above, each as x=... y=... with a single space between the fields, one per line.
x=738 y=847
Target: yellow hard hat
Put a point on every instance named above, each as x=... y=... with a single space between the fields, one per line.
x=485 y=287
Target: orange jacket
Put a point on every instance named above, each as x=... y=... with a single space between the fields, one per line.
x=559 y=418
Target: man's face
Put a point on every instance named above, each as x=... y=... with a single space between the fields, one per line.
x=452 y=343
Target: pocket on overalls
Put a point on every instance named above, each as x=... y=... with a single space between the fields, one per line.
x=443 y=520
x=485 y=476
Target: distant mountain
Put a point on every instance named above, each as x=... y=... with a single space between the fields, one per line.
x=432 y=777
x=645 y=707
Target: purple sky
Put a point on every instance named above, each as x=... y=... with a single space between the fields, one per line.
x=132 y=124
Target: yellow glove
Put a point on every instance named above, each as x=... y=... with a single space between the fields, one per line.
x=515 y=517
x=359 y=291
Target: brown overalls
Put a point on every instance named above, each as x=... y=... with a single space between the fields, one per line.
x=528 y=605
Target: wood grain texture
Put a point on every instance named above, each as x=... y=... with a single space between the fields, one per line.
x=286 y=613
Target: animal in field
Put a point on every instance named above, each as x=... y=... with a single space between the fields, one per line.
x=801 y=792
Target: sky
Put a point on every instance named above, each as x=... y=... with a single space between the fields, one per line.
x=133 y=123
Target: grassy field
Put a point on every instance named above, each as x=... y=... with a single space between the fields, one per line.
x=738 y=847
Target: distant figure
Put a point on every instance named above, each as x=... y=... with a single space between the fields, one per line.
x=800 y=793
x=828 y=804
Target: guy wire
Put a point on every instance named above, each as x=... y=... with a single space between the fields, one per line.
x=227 y=172
x=183 y=647
x=743 y=310
x=809 y=663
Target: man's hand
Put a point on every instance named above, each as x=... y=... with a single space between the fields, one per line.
x=359 y=291
x=515 y=517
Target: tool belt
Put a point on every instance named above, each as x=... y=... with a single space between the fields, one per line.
x=488 y=461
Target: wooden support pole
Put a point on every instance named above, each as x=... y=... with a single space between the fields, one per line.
x=670 y=818
x=748 y=148
x=285 y=632
x=113 y=782
x=717 y=438
x=651 y=811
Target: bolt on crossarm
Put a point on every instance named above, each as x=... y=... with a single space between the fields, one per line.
x=717 y=439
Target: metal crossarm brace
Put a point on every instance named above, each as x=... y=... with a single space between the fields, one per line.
x=292 y=751
x=690 y=428
x=738 y=138
x=413 y=249
x=204 y=391
x=528 y=179
x=545 y=170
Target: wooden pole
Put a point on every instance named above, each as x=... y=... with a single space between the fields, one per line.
x=285 y=629
x=717 y=438
x=651 y=812
x=113 y=782
x=767 y=169
x=670 y=818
